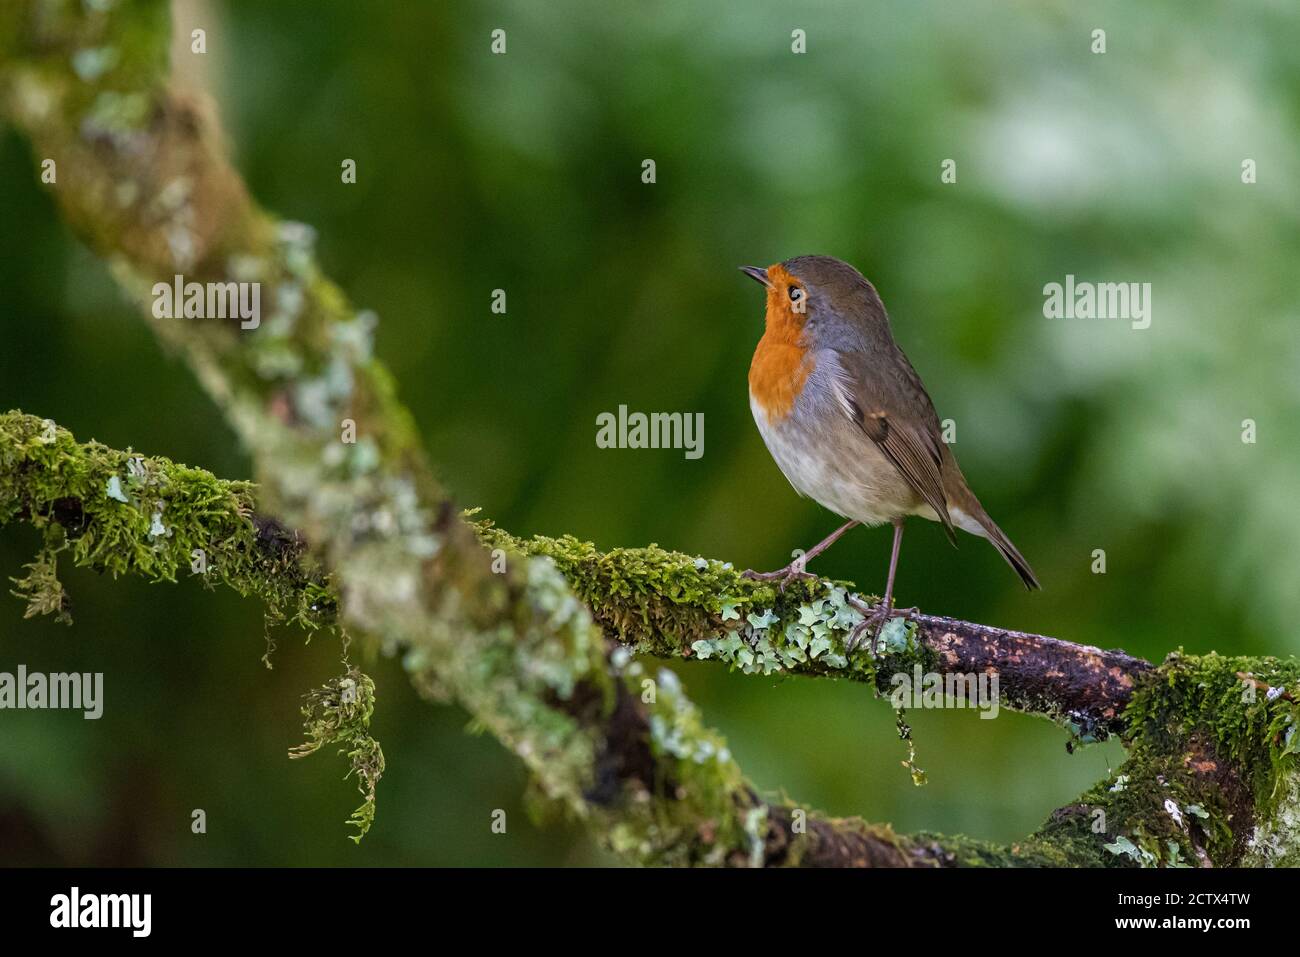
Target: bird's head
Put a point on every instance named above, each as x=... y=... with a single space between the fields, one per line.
x=819 y=300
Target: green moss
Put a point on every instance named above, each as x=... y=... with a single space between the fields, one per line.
x=339 y=712
x=959 y=850
x=670 y=604
x=1210 y=775
x=42 y=590
x=1247 y=724
x=126 y=514
x=679 y=820
x=1222 y=716
x=1151 y=813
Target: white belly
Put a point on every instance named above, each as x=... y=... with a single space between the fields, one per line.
x=842 y=472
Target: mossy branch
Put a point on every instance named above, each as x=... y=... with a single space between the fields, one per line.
x=123 y=513
x=154 y=193
x=674 y=605
x=654 y=782
x=661 y=602
x=1214 y=736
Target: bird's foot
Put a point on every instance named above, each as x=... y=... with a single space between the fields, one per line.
x=877 y=616
x=796 y=571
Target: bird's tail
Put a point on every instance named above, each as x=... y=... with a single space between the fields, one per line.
x=1007 y=550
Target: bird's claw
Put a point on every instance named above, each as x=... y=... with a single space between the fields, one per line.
x=876 y=615
x=795 y=571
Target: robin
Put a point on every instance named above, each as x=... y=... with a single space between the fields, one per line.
x=849 y=422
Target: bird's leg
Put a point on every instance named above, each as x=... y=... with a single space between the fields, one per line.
x=799 y=567
x=879 y=614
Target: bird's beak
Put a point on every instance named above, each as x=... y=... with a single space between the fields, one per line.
x=758 y=275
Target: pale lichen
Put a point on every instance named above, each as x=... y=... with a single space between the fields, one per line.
x=1275 y=842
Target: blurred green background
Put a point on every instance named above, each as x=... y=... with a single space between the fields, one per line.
x=522 y=172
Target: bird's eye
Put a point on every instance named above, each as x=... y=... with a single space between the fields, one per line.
x=795 y=293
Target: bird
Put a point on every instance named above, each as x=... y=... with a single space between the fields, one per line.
x=850 y=424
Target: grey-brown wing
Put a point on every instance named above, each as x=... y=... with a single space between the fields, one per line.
x=897 y=417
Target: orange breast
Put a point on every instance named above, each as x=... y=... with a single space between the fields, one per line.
x=777 y=375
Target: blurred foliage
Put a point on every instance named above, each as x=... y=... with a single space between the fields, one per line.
x=522 y=172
